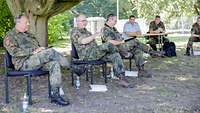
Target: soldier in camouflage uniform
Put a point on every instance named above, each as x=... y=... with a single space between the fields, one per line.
x=27 y=54
x=155 y=27
x=110 y=34
x=195 y=36
x=88 y=49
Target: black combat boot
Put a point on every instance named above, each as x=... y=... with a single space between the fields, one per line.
x=187 y=51
x=57 y=99
x=143 y=73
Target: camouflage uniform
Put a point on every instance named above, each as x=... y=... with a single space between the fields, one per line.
x=133 y=46
x=21 y=46
x=153 y=40
x=195 y=30
x=92 y=51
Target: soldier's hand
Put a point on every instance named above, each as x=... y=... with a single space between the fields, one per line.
x=38 y=50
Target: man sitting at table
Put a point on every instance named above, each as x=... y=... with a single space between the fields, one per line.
x=132 y=30
x=156 y=27
x=195 y=36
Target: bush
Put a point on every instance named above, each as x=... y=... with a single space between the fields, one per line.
x=58 y=26
x=6 y=20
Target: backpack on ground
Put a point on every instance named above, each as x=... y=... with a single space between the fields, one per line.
x=170 y=49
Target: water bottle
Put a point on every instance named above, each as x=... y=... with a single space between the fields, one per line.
x=25 y=103
x=77 y=82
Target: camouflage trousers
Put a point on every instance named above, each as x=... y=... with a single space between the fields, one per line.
x=107 y=52
x=156 y=40
x=49 y=60
x=191 y=40
x=136 y=48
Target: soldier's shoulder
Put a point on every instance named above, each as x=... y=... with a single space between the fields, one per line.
x=152 y=22
x=10 y=33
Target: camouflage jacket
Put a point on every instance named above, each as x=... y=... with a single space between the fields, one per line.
x=195 y=29
x=76 y=36
x=110 y=33
x=20 y=46
x=153 y=26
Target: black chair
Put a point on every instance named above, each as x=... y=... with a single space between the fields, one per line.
x=11 y=72
x=85 y=66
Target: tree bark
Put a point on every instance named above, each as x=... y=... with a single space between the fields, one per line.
x=39 y=11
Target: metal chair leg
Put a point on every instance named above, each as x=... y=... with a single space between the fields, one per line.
x=49 y=86
x=105 y=72
x=72 y=76
x=87 y=79
x=130 y=64
x=6 y=89
x=29 y=90
x=91 y=69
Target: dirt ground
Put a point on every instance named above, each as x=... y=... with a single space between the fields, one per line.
x=174 y=88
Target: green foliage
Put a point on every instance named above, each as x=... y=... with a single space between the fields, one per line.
x=97 y=7
x=6 y=20
x=58 y=26
x=127 y=8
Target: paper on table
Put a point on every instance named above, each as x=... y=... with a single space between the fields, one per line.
x=98 y=88
x=131 y=73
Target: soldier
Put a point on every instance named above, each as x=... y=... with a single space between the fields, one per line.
x=88 y=49
x=155 y=27
x=195 y=36
x=27 y=54
x=110 y=34
x=132 y=30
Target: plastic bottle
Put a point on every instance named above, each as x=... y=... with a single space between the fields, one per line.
x=25 y=103
x=77 y=82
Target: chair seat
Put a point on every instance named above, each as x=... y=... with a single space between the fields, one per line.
x=37 y=72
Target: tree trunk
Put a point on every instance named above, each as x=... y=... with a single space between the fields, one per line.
x=38 y=26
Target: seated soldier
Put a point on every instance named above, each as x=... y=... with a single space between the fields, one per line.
x=156 y=27
x=195 y=36
x=27 y=54
x=132 y=30
x=88 y=49
x=110 y=34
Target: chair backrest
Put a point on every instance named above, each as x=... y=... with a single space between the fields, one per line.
x=74 y=53
x=8 y=60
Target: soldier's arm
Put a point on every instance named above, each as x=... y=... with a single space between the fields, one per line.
x=14 y=50
x=151 y=31
x=89 y=39
x=107 y=38
x=163 y=27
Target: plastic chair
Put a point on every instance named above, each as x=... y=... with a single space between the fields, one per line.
x=11 y=72
x=87 y=66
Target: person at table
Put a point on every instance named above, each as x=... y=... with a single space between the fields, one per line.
x=195 y=36
x=156 y=27
x=132 y=29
